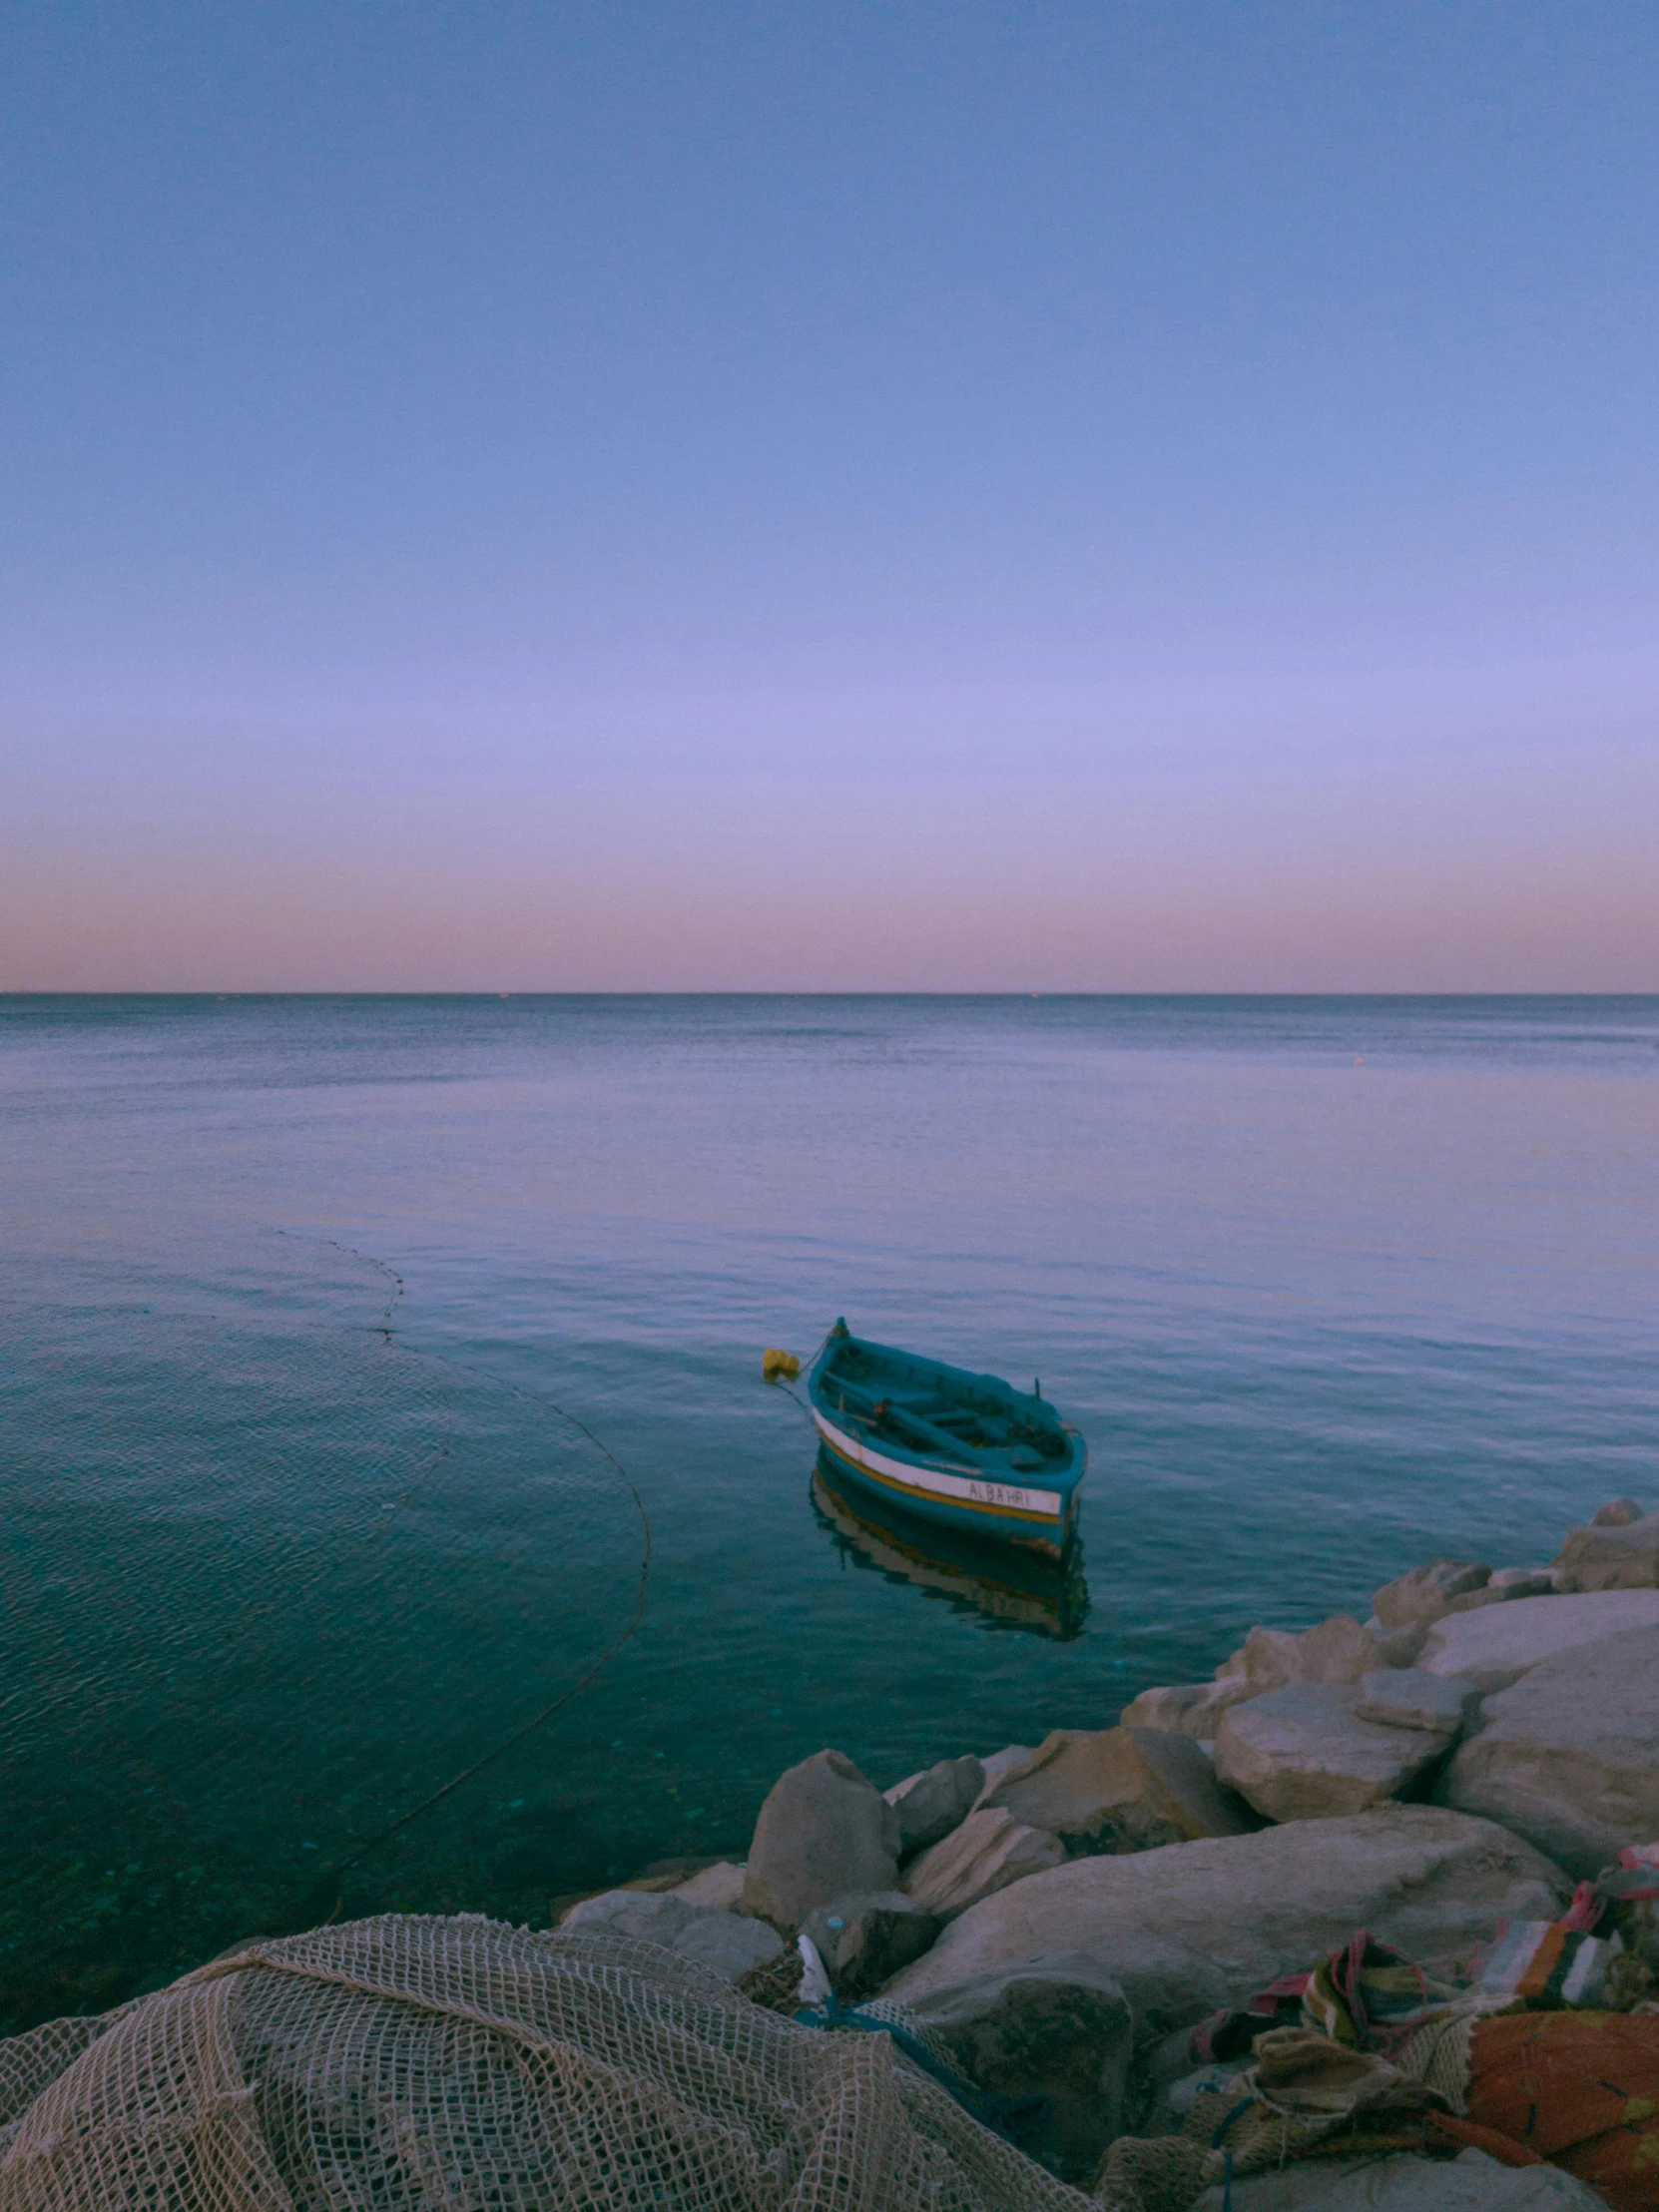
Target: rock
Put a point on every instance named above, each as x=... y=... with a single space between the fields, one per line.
x=631 y=1913
x=1395 y=1647
x=1195 y=1927
x=727 y=1942
x=1523 y=1582
x=989 y=1852
x=1339 y=1650
x=720 y=1885
x=1613 y=1557
x=1298 y=2187
x=1619 y=1513
x=730 y=1943
x=1569 y=1757
x=1302 y=1753
x=1177 y=1797
x=1203 y=1716
x=1189 y=1709
x=930 y=1804
x=1507 y=1583
x=1272 y=1657
x=1060 y=1777
x=1122 y=1789
x=864 y=1940
x=1057 y=2026
x=1413 y=1600
x=997 y=1763
x=1162 y=1708
x=1406 y=1697
x=667 y=1873
x=823 y=1832
x=1471 y=2182
x=1497 y=1645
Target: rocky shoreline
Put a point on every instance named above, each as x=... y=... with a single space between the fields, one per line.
x=1059 y=1919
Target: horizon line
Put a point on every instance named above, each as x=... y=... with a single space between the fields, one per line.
x=488 y=998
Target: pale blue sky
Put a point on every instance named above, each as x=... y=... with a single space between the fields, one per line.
x=1117 y=496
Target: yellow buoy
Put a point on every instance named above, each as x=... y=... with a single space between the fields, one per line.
x=778 y=1366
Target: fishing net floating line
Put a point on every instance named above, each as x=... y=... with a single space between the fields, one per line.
x=461 y=2062
x=275 y=1588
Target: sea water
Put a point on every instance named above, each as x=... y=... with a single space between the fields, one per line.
x=393 y=1514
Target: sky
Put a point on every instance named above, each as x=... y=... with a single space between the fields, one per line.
x=1137 y=495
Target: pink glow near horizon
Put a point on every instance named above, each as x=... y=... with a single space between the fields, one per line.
x=679 y=498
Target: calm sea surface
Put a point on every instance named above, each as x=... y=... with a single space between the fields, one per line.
x=352 y=1350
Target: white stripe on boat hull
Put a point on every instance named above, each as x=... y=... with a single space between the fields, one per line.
x=966 y=1488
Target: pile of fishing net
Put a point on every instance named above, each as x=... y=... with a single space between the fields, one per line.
x=426 y=2063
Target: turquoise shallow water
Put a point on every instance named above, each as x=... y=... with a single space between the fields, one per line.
x=294 y=1532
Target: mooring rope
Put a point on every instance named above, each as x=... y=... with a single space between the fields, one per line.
x=806 y=1367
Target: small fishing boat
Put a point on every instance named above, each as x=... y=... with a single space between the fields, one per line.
x=966 y=1451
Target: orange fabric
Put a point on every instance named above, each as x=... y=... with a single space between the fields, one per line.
x=1579 y=2088
x=1503 y=2148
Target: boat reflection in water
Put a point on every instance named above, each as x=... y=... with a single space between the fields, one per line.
x=1013 y=1588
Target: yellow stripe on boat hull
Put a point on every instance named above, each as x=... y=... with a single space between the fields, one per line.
x=968 y=1491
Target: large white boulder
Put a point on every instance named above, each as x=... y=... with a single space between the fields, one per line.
x=1499 y=1645
x=1303 y=1753
x=1193 y=1927
x=1569 y=1757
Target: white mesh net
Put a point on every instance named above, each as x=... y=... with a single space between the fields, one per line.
x=426 y=2063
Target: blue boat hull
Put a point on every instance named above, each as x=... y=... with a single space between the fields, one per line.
x=1014 y=1496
